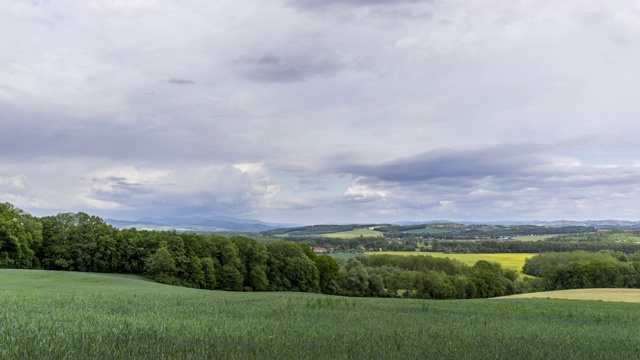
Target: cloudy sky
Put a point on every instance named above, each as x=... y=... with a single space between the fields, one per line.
x=315 y=111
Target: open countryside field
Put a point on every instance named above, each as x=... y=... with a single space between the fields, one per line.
x=623 y=295
x=344 y=255
x=365 y=232
x=507 y=260
x=56 y=315
x=533 y=237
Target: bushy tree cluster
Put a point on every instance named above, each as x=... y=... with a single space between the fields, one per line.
x=80 y=242
x=20 y=234
x=425 y=277
x=581 y=269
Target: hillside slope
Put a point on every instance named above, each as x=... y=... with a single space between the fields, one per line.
x=53 y=315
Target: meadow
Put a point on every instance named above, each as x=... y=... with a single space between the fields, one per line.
x=58 y=315
x=513 y=261
x=364 y=232
x=534 y=237
x=344 y=255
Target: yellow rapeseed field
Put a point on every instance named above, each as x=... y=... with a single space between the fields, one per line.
x=507 y=260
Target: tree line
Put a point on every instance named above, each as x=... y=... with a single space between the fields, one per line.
x=452 y=231
x=610 y=236
x=582 y=269
x=80 y=242
x=517 y=246
x=626 y=242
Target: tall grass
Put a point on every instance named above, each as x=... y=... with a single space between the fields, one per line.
x=56 y=315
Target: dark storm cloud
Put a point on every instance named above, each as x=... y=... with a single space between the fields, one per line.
x=448 y=163
x=121 y=192
x=490 y=183
x=23 y=135
x=175 y=81
x=271 y=68
x=320 y=3
x=120 y=181
x=496 y=172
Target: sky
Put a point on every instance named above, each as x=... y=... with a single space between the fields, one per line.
x=321 y=111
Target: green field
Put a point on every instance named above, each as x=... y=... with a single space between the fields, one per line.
x=365 y=232
x=507 y=260
x=63 y=315
x=344 y=255
x=534 y=237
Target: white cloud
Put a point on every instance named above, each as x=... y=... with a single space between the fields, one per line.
x=363 y=193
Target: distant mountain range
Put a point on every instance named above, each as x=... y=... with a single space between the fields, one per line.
x=231 y=224
x=199 y=224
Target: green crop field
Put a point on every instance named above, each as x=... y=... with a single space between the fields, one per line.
x=366 y=232
x=344 y=255
x=533 y=237
x=507 y=260
x=63 y=315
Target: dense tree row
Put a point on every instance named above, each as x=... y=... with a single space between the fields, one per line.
x=517 y=246
x=614 y=236
x=581 y=269
x=377 y=243
x=79 y=242
x=621 y=241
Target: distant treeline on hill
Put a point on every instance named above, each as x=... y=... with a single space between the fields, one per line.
x=447 y=231
x=627 y=242
x=461 y=231
x=80 y=242
x=552 y=244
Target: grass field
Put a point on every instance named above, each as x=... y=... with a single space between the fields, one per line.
x=60 y=315
x=534 y=237
x=507 y=260
x=344 y=255
x=365 y=232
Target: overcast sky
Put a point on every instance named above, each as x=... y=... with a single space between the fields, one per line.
x=316 y=111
